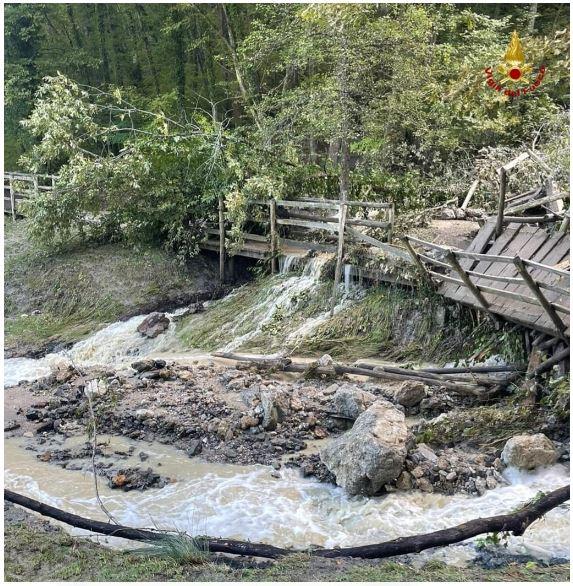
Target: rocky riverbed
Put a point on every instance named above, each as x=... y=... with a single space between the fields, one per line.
x=335 y=430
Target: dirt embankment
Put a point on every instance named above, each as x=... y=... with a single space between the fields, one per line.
x=55 y=298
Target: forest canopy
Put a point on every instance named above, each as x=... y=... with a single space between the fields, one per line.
x=149 y=112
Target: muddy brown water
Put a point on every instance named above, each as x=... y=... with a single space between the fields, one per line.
x=248 y=502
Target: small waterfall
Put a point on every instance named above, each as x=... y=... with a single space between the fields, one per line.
x=116 y=345
x=282 y=297
x=287 y=261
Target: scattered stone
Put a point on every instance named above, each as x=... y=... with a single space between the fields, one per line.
x=529 y=451
x=372 y=453
x=194 y=448
x=410 y=393
x=11 y=425
x=47 y=425
x=351 y=402
x=153 y=325
x=143 y=365
x=33 y=415
x=404 y=481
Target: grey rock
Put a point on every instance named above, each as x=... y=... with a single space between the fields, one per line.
x=410 y=393
x=153 y=325
x=529 y=451
x=350 y=402
x=372 y=453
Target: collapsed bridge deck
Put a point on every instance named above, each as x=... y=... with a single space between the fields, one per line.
x=521 y=276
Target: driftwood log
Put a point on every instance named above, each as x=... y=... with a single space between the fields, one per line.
x=515 y=523
x=381 y=372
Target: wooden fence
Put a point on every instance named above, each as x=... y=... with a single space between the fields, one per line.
x=19 y=186
x=308 y=215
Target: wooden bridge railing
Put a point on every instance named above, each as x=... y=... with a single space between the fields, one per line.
x=524 y=283
x=310 y=214
x=18 y=186
x=522 y=202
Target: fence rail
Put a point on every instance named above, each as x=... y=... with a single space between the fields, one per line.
x=311 y=215
x=523 y=282
x=19 y=186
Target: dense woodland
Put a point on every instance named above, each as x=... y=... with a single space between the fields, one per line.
x=150 y=111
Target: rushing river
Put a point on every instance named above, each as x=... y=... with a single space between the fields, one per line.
x=248 y=502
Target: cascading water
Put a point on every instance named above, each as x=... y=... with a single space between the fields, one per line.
x=248 y=502
x=278 y=298
x=116 y=345
x=120 y=344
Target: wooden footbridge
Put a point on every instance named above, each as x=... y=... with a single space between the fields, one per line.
x=522 y=276
x=20 y=186
x=516 y=268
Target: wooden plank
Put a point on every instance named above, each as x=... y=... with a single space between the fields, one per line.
x=557 y=322
x=331 y=220
x=307 y=224
x=390 y=249
x=340 y=248
x=221 y=239
x=512 y=164
x=536 y=203
x=467 y=281
x=478 y=244
x=501 y=202
x=273 y=227
x=415 y=258
x=470 y=194
x=308 y=245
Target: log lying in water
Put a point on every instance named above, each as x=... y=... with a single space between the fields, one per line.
x=380 y=372
x=515 y=523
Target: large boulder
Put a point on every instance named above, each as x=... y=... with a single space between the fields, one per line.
x=372 y=453
x=350 y=402
x=153 y=325
x=529 y=451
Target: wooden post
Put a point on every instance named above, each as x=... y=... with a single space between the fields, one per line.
x=340 y=251
x=466 y=279
x=501 y=205
x=470 y=194
x=36 y=190
x=12 y=200
x=273 y=226
x=418 y=262
x=391 y=214
x=221 y=239
x=565 y=223
x=534 y=288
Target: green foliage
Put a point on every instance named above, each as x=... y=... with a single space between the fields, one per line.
x=180 y=547
x=480 y=425
x=256 y=102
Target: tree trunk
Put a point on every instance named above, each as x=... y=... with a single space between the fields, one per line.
x=515 y=523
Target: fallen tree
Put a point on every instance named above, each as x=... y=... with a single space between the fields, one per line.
x=515 y=523
x=465 y=388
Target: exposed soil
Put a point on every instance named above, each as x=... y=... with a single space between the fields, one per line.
x=230 y=415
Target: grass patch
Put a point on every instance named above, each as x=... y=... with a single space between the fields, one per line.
x=81 y=288
x=490 y=425
x=52 y=555
x=405 y=324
